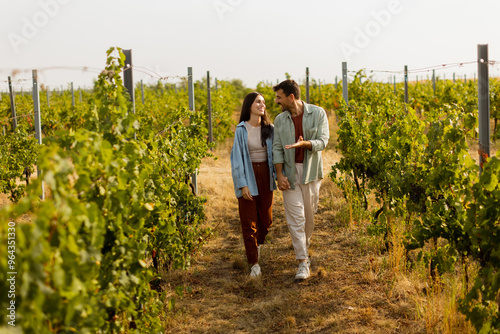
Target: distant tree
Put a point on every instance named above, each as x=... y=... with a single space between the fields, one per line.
x=239 y=88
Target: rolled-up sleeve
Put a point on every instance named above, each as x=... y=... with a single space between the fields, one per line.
x=237 y=167
x=323 y=133
x=278 y=154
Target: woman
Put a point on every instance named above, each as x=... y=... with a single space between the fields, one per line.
x=253 y=175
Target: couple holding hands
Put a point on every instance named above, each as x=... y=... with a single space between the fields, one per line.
x=288 y=152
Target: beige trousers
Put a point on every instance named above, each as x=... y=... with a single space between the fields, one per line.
x=301 y=204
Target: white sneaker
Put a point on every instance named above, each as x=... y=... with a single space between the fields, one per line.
x=255 y=270
x=303 y=271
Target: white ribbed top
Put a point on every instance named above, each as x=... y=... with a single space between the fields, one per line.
x=257 y=152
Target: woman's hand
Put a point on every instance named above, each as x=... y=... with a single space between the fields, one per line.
x=246 y=193
x=283 y=182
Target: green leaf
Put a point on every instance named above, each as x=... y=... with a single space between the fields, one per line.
x=489 y=181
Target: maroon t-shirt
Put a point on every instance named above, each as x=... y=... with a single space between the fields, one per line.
x=299 y=152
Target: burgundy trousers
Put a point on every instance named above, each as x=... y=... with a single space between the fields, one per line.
x=256 y=216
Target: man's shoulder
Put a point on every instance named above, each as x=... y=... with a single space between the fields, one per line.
x=281 y=116
x=312 y=107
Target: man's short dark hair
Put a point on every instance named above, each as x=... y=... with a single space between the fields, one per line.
x=289 y=87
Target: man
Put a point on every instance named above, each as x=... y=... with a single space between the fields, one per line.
x=301 y=132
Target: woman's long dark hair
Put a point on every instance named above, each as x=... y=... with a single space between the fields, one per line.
x=266 y=129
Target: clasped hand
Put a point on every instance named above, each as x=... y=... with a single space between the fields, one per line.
x=283 y=182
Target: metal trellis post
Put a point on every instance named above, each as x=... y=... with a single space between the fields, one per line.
x=209 y=109
x=406 y=84
x=307 y=84
x=12 y=105
x=483 y=103
x=38 y=121
x=194 y=176
x=345 y=93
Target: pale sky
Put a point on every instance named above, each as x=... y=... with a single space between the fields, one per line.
x=251 y=40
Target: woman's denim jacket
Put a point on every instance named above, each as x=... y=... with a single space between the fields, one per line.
x=241 y=165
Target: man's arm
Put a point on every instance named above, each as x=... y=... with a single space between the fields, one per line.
x=279 y=157
x=282 y=179
x=323 y=133
x=301 y=143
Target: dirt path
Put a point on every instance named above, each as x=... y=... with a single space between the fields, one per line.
x=347 y=292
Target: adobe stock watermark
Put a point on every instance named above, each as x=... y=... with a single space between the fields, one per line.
x=31 y=26
x=364 y=36
x=11 y=273
x=224 y=6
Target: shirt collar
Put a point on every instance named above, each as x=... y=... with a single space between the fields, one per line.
x=306 y=110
